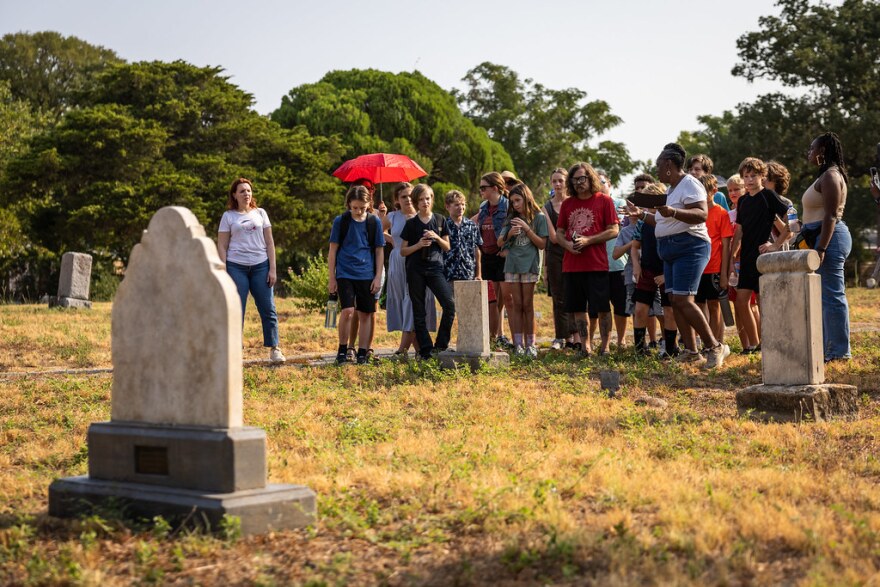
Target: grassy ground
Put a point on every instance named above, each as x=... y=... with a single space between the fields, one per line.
x=428 y=477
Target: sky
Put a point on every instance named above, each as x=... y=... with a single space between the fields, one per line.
x=659 y=64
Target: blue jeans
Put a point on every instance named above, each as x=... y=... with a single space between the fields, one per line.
x=685 y=256
x=835 y=309
x=253 y=278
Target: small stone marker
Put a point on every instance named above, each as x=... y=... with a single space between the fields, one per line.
x=793 y=371
x=175 y=445
x=609 y=380
x=472 y=346
x=74 y=283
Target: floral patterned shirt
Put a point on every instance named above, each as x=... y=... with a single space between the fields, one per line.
x=460 y=261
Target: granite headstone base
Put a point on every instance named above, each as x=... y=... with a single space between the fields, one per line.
x=799 y=403
x=270 y=508
x=454 y=360
x=61 y=302
x=191 y=475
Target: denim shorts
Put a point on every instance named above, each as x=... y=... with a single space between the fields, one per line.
x=685 y=256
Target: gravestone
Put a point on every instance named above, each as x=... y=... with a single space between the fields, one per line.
x=472 y=345
x=793 y=368
x=176 y=444
x=74 y=283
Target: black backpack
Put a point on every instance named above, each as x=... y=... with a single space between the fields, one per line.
x=372 y=229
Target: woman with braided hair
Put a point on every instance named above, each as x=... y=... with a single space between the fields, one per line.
x=823 y=204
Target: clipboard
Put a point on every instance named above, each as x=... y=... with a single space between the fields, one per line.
x=647 y=200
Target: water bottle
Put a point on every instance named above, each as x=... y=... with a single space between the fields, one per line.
x=734 y=275
x=331 y=311
x=793 y=223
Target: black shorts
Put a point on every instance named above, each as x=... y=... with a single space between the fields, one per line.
x=616 y=294
x=710 y=288
x=491 y=267
x=646 y=290
x=355 y=293
x=748 y=275
x=585 y=289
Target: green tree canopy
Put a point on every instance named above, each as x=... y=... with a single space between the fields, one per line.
x=542 y=128
x=47 y=69
x=155 y=134
x=376 y=111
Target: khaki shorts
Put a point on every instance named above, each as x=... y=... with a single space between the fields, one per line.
x=521 y=277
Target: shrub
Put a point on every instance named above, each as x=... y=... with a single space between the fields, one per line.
x=310 y=286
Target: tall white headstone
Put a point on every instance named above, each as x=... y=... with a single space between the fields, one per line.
x=176 y=332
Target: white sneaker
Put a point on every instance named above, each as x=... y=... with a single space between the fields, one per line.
x=715 y=357
x=276 y=356
x=558 y=344
x=519 y=350
x=532 y=352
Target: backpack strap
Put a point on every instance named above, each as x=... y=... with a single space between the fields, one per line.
x=344 y=223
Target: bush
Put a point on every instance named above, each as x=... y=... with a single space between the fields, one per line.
x=310 y=286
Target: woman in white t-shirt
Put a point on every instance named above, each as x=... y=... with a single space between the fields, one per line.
x=684 y=245
x=245 y=244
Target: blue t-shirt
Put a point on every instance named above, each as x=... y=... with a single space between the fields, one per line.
x=616 y=264
x=721 y=200
x=624 y=237
x=354 y=259
x=650 y=258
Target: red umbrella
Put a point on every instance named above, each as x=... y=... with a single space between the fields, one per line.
x=380 y=168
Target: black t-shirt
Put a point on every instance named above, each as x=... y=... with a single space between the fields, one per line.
x=756 y=215
x=430 y=257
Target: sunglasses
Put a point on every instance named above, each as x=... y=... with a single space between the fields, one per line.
x=484 y=187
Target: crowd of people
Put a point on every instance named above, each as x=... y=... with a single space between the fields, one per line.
x=671 y=256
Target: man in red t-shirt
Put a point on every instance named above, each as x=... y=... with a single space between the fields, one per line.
x=586 y=222
x=712 y=291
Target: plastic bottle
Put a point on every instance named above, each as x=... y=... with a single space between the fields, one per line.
x=331 y=311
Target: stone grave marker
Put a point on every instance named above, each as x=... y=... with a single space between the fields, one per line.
x=472 y=345
x=176 y=444
x=793 y=368
x=74 y=283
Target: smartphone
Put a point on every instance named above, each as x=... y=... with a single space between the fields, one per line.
x=875 y=177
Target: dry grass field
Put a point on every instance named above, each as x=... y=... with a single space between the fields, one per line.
x=527 y=476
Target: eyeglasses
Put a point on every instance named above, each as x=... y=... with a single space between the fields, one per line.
x=579 y=180
x=484 y=187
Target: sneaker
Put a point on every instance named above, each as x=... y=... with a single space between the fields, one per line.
x=276 y=356
x=716 y=355
x=571 y=345
x=652 y=345
x=519 y=350
x=362 y=357
x=689 y=356
x=350 y=355
x=503 y=341
x=532 y=352
x=341 y=358
x=557 y=344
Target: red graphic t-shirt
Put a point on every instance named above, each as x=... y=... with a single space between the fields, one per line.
x=586 y=218
x=719 y=227
x=487 y=230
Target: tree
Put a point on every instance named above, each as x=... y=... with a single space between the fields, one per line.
x=542 y=128
x=376 y=111
x=831 y=55
x=155 y=134
x=48 y=70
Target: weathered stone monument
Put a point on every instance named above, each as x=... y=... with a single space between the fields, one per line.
x=794 y=387
x=74 y=283
x=175 y=444
x=472 y=346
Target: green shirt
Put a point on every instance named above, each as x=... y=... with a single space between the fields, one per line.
x=523 y=256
